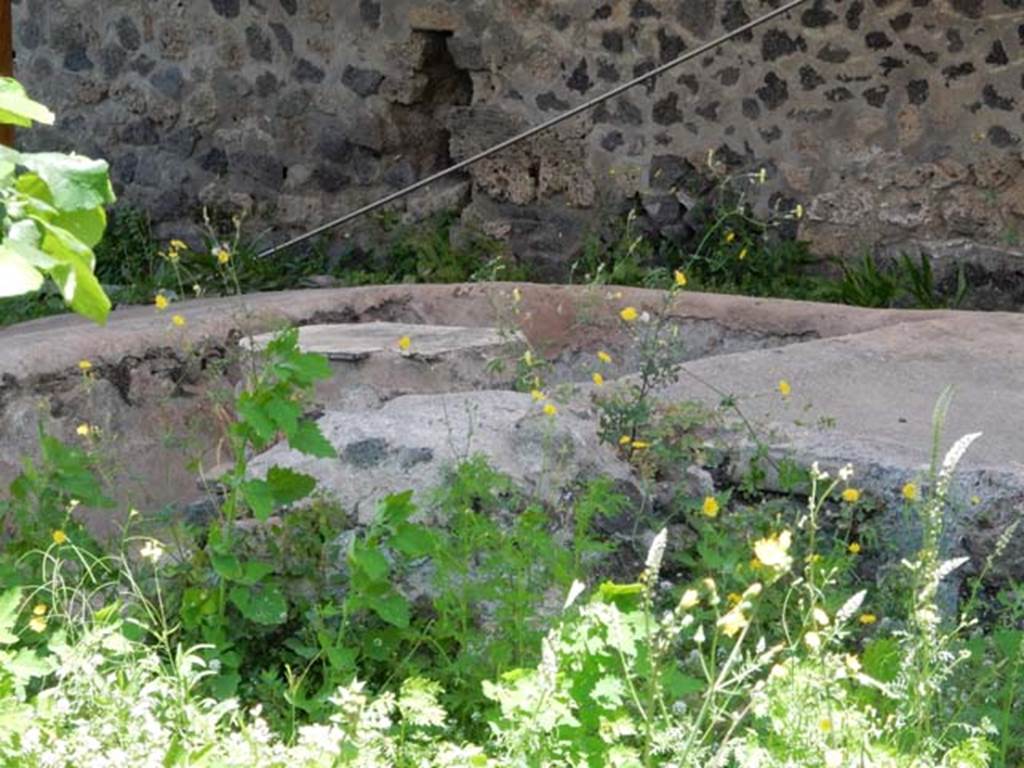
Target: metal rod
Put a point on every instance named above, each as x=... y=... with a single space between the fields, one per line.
x=531 y=132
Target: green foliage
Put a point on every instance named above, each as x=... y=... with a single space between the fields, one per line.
x=54 y=214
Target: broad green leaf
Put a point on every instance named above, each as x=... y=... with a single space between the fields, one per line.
x=17 y=276
x=226 y=565
x=253 y=572
x=252 y=414
x=289 y=486
x=310 y=440
x=284 y=413
x=75 y=182
x=259 y=497
x=412 y=540
x=396 y=508
x=16 y=108
x=80 y=288
x=265 y=605
x=87 y=225
x=9 y=603
x=371 y=562
x=393 y=608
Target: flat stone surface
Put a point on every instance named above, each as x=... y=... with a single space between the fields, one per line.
x=357 y=341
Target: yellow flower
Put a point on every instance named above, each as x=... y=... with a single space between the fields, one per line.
x=773 y=552
x=784 y=388
x=851 y=495
x=550 y=409
x=762 y=176
x=680 y=278
x=59 y=537
x=604 y=357
x=629 y=314
x=854 y=548
x=178 y=321
x=640 y=445
x=83 y=430
x=537 y=395
x=825 y=725
x=734 y=598
x=798 y=212
x=911 y=492
x=867 y=618
x=37 y=624
x=975 y=500
x=404 y=343
x=223 y=256
x=84 y=366
x=756 y=564
x=528 y=358
x=625 y=440
x=710 y=507
x=517 y=295
x=730 y=236
x=598 y=379
x=179 y=245
x=40 y=609
x=161 y=302
x=733 y=622
x=743 y=254
x=690 y=599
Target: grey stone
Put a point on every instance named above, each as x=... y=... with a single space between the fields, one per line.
x=77 y=60
x=364 y=82
x=543 y=455
x=258 y=41
x=284 y=37
x=306 y=71
x=229 y=9
x=169 y=81
x=128 y=34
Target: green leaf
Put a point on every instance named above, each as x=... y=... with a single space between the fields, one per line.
x=75 y=182
x=393 y=608
x=412 y=540
x=289 y=486
x=370 y=562
x=253 y=572
x=253 y=415
x=226 y=565
x=396 y=508
x=260 y=498
x=265 y=605
x=16 y=108
x=80 y=288
x=87 y=225
x=17 y=276
x=9 y=602
x=284 y=413
x=308 y=439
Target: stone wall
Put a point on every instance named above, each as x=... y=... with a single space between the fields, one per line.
x=890 y=120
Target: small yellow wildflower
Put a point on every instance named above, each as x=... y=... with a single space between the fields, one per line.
x=537 y=395
x=825 y=725
x=59 y=537
x=598 y=379
x=773 y=552
x=733 y=622
x=179 y=245
x=975 y=500
x=743 y=253
x=911 y=492
x=762 y=176
x=83 y=430
x=680 y=278
x=40 y=609
x=604 y=357
x=528 y=358
x=84 y=366
x=867 y=618
x=690 y=599
x=730 y=236
x=629 y=314
x=161 y=302
x=798 y=212
x=517 y=295
x=178 y=321
x=625 y=440
x=37 y=624
x=404 y=343
x=854 y=548
x=550 y=409
x=851 y=495
x=710 y=507
x=172 y=256
x=756 y=564
x=640 y=445
x=784 y=388
x=223 y=256
x=733 y=598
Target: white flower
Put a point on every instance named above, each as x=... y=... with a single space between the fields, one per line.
x=846 y=473
x=152 y=551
